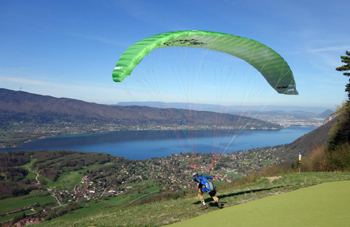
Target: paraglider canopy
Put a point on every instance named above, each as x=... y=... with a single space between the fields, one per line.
x=268 y=62
x=202 y=67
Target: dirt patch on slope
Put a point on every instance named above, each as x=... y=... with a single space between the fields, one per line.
x=271 y=179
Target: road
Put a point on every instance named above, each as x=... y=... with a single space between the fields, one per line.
x=48 y=189
x=143 y=196
x=37 y=174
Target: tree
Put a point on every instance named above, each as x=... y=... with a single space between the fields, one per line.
x=19 y=217
x=339 y=141
x=346 y=67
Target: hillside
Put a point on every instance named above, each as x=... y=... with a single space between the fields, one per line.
x=102 y=185
x=166 y=212
x=25 y=117
x=22 y=106
x=64 y=178
x=325 y=114
x=282 y=115
x=77 y=188
x=305 y=143
x=212 y=107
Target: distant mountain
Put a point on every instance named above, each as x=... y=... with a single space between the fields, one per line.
x=325 y=114
x=17 y=106
x=210 y=107
x=296 y=114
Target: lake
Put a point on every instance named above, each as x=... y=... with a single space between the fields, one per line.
x=149 y=144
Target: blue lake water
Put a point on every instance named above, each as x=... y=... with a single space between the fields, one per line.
x=149 y=144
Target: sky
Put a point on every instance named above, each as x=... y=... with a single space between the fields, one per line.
x=69 y=48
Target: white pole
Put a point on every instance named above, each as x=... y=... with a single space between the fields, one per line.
x=299 y=161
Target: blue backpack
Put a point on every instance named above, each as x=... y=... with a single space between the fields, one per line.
x=209 y=186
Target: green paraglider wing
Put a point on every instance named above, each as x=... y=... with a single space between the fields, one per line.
x=269 y=63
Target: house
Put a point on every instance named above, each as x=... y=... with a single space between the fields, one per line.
x=47 y=210
x=27 y=221
x=113 y=191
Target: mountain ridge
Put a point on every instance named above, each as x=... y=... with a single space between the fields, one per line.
x=25 y=116
x=26 y=106
x=213 y=107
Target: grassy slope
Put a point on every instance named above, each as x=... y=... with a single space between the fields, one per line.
x=161 y=213
x=118 y=201
x=24 y=201
x=8 y=217
x=265 y=162
x=320 y=205
x=67 y=180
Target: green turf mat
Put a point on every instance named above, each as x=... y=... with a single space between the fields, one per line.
x=326 y=204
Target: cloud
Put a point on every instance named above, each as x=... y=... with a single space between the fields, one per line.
x=136 y=9
x=323 y=49
x=22 y=81
x=100 y=39
x=328 y=62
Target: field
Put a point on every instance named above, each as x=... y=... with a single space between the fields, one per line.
x=16 y=203
x=31 y=176
x=235 y=175
x=10 y=216
x=245 y=162
x=162 y=213
x=24 y=201
x=137 y=191
x=147 y=191
x=68 y=180
x=265 y=162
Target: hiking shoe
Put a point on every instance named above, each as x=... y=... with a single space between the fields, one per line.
x=203 y=206
x=219 y=204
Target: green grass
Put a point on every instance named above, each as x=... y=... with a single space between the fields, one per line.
x=235 y=175
x=68 y=180
x=8 y=217
x=161 y=213
x=31 y=176
x=153 y=186
x=149 y=181
x=219 y=183
x=95 y=207
x=7 y=138
x=245 y=162
x=24 y=201
x=265 y=162
x=117 y=201
x=29 y=164
x=2 y=174
x=135 y=196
